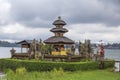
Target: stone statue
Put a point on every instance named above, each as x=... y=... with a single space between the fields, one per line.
x=12 y=52
x=40 y=49
x=73 y=50
x=33 y=49
x=80 y=48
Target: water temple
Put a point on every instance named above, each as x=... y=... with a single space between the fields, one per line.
x=62 y=47
x=59 y=40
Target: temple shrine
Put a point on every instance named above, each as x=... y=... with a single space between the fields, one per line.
x=59 y=41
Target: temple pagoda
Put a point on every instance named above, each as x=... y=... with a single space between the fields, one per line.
x=59 y=40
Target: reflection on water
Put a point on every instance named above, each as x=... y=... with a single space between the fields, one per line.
x=109 y=53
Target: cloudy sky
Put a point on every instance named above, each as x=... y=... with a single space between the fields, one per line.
x=86 y=19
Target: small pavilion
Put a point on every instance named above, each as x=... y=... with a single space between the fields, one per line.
x=58 y=41
x=25 y=44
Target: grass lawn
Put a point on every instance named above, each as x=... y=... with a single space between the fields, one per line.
x=61 y=75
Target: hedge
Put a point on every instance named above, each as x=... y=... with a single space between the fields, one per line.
x=31 y=65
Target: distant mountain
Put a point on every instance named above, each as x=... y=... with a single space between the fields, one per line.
x=8 y=44
x=107 y=46
x=113 y=46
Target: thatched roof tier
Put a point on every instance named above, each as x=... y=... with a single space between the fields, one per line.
x=26 y=42
x=59 y=30
x=59 y=40
x=59 y=22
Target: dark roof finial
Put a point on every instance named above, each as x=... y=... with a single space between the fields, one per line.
x=59 y=21
x=59 y=17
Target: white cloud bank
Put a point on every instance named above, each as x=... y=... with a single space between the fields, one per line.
x=18 y=32
x=94 y=32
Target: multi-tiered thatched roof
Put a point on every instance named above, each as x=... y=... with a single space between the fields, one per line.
x=59 y=31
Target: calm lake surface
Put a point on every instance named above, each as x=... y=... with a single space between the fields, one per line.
x=109 y=53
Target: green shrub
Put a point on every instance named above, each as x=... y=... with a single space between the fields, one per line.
x=30 y=65
x=10 y=74
x=109 y=64
x=21 y=71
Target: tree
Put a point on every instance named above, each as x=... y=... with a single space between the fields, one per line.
x=47 y=49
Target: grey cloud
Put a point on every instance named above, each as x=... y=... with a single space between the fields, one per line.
x=96 y=11
x=41 y=13
x=26 y=12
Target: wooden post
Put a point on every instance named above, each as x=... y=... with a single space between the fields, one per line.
x=27 y=50
x=101 y=64
x=21 y=49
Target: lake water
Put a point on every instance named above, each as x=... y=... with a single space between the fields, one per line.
x=5 y=51
x=109 y=53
